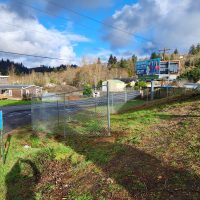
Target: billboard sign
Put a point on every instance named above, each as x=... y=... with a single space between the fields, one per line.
x=148 y=67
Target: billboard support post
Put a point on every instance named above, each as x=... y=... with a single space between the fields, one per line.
x=152 y=89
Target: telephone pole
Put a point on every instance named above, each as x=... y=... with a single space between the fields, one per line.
x=164 y=52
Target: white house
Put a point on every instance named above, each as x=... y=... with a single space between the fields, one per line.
x=114 y=86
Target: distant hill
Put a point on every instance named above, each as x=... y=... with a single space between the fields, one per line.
x=19 y=68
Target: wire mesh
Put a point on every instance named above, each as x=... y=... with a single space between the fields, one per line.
x=72 y=113
x=89 y=114
x=120 y=100
x=48 y=113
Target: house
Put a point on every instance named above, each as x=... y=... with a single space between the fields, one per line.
x=3 y=80
x=129 y=81
x=114 y=85
x=20 y=91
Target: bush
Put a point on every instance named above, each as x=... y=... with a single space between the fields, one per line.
x=87 y=90
x=139 y=85
x=128 y=85
x=192 y=75
x=99 y=85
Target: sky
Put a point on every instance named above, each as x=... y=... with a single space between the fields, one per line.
x=80 y=31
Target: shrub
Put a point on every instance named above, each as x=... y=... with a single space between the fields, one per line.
x=87 y=90
x=140 y=84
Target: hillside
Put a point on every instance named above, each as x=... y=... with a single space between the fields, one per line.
x=152 y=154
x=19 y=69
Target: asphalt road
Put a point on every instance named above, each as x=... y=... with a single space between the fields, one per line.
x=17 y=116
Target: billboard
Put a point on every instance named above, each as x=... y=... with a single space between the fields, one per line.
x=148 y=67
x=158 y=67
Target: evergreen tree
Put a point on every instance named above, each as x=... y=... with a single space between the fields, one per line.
x=154 y=55
x=176 y=51
x=112 y=61
x=198 y=48
x=123 y=63
x=134 y=58
x=192 y=50
x=98 y=61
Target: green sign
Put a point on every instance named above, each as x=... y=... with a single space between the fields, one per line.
x=148 y=77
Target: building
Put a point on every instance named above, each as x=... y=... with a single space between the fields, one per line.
x=114 y=85
x=3 y=79
x=129 y=81
x=20 y=91
x=169 y=69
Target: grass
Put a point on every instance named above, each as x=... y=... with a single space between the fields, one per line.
x=10 y=102
x=152 y=154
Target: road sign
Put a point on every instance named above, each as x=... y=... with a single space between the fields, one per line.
x=1 y=121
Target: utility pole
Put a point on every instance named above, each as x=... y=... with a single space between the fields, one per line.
x=164 y=52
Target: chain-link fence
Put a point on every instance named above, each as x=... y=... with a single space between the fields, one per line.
x=119 y=100
x=72 y=113
x=89 y=114
x=165 y=92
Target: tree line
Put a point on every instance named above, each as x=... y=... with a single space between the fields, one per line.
x=6 y=66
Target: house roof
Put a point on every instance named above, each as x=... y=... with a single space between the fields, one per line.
x=126 y=80
x=113 y=81
x=16 y=86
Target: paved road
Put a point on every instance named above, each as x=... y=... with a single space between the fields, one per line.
x=17 y=116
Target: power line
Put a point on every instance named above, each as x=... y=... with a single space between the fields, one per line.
x=30 y=55
x=98 y=21
x=87 y=17
x=164 y=52
x=47 y=13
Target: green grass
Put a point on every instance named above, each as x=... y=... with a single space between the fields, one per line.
x=10 y=102
x=151 y=152
x=16 y=167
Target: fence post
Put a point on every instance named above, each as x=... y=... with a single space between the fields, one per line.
x=2 y=146
x=152 y=89
x=108 y=108
x=65 y=121
x=112 y=103
x=167 y=92
x=58 y=120
x=95 y=99
x=125 y=95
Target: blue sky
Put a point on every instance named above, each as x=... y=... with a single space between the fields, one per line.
x=86 y=27
x=138 y=27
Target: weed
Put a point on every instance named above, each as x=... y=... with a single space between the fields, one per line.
x=74 y=196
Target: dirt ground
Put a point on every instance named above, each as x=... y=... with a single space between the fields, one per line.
x=156 y=158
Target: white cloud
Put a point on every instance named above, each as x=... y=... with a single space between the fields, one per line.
x=165 y=23
x=29 y=36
